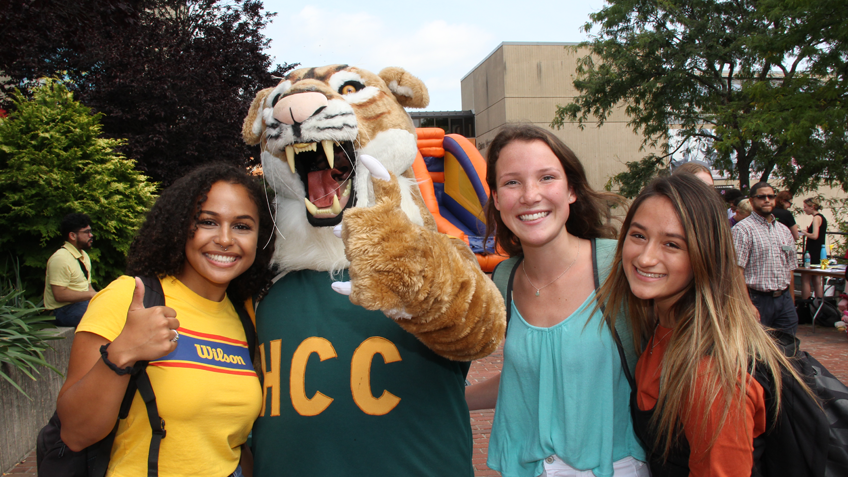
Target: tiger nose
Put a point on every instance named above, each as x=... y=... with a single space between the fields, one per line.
x=299 y=107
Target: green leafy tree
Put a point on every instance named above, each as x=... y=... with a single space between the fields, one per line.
x=760 y=85
x=839 y=208
x=174 y=78
x=53 y=162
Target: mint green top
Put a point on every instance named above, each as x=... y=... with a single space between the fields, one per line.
x=562 y=392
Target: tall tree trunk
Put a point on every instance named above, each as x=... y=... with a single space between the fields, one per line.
x=743 y=167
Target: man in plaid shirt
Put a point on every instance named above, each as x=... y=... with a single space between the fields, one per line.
x=765 y=249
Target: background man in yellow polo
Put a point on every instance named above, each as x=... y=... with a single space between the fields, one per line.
x=67 y=287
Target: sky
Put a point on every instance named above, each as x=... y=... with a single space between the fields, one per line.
x=438 y=41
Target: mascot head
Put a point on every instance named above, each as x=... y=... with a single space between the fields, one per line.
x=311 y=129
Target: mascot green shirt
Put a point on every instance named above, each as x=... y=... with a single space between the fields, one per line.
x=362 y=376
x=343 y=383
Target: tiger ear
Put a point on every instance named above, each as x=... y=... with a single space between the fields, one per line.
x=251 y=131
x=409 y=91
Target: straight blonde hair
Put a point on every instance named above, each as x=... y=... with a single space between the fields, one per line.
x=745 y=206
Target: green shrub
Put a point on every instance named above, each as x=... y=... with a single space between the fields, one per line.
x=24 y=331
x=53 y=162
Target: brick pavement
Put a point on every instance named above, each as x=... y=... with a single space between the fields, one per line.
x=481 y=421
x=828 y=345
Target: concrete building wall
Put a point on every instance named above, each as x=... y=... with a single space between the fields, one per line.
x=525 y=82
x=22 y=418
x=540 y=70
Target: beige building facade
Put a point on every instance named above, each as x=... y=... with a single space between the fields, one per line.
x=525 y=82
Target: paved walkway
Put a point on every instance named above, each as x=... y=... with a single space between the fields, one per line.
x=828 y=345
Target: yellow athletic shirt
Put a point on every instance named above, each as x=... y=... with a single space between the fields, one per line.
x=206 y=390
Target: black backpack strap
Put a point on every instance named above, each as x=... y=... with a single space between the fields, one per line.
x=82 y=266
x=249 y=329
x=157 y=424
x=153 y=293
x=98 y=460
x=598 y=274
x=503 y=275
x=153 y=296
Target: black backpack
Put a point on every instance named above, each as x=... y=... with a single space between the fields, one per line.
x=806 y=441
x=827 y=315
x=54 y=459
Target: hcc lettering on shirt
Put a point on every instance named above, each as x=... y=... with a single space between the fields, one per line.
x=360 y=376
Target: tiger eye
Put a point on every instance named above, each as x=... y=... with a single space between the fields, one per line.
x=348 y=89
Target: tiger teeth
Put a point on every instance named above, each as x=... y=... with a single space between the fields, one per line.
x=334 y=209
x=295 y=149
x=346 y=191
x=328 y=151
x=310 y=207
x=290 y=157
x=305 y=146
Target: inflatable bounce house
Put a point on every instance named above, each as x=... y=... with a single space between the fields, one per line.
x=451 y=174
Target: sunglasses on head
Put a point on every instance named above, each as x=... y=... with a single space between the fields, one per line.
x=765 y=196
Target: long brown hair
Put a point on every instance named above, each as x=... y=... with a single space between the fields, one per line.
x=784 y=199
x=713 y=318
x=589 y=216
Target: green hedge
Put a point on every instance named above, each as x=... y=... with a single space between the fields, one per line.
x=53 y=162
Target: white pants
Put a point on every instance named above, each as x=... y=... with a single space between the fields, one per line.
x=627 y=467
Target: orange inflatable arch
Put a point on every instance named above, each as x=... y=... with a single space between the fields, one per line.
x=451 y=174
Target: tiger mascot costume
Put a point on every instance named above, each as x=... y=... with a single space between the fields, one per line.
x=363 y=272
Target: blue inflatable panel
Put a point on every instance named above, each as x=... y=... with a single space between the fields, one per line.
x=477 y=246
x=439 y=190
x=446 y=213
x=469 y=221
x=435 y=164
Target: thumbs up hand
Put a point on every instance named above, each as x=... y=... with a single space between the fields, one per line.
x=371 y=235
x=148 y=334
x=426 y=281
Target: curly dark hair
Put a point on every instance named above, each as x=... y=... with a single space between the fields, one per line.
x=590 y=215
x=159 y=245
x=73 y=223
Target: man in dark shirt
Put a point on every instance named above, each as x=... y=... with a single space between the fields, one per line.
x=782 y=214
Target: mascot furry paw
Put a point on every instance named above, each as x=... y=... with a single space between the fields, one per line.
x=346 y=390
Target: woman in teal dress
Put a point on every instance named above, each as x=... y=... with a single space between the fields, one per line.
x=562 y=398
